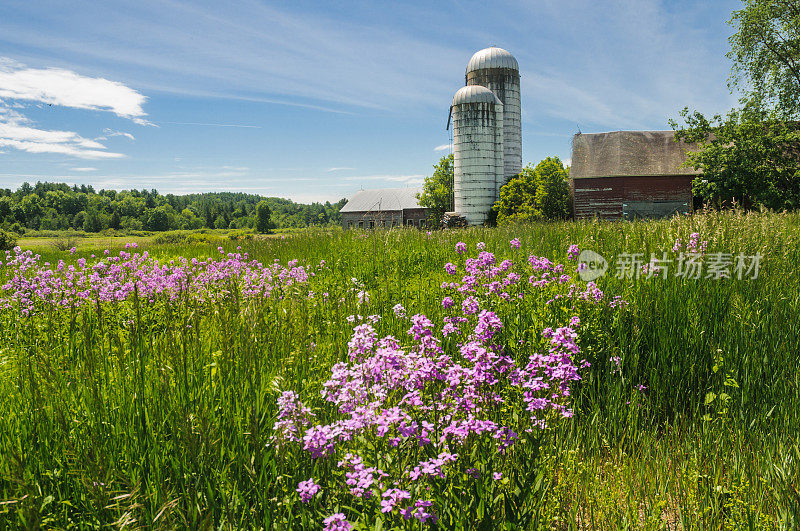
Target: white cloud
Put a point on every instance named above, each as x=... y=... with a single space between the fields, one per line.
x=443 y=147
x=214 y=125
x=339 y=169
x=56 y=86
x=404 y=179
x=83 y=169
x=109 y=133
x=17 y=132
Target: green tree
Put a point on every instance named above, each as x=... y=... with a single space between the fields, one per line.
x=220 y=223
x=93 y=221
x=553 y=196
x=752 y=155
x=765 y=50
x=157 y=219
x=263 y=214
x=540 y=192
x=746 y=157
x=437 y=192
x=517 y=200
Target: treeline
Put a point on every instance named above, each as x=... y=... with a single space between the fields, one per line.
x=59 y=206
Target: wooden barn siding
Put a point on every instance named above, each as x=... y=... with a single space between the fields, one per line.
x=603 y=197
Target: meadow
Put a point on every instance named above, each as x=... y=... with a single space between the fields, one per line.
x=403 y=379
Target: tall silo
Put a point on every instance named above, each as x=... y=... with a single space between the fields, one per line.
x=498 y=70
x=477 y=151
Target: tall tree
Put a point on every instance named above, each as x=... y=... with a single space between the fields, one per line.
x=263 y=214
x=765 y=50
x=540 y=192
x=437 y=192
x=751 y=156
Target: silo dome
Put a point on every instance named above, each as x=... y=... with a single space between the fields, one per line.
x=475 y=94
x=492 y=57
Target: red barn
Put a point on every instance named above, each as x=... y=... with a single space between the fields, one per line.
x=630 y=174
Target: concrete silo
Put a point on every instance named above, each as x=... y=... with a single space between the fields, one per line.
x=498 y=70
x=477 y=151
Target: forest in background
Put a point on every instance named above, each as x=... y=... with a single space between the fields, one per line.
x=59 y=206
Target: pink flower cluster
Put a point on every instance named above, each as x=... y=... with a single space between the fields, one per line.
x=31 y=283
x=415 y=400
x=693 y=244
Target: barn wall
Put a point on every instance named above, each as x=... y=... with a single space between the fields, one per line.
x=632 y=197
x=383 y=218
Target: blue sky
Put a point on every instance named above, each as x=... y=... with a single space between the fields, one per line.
x=315 y=100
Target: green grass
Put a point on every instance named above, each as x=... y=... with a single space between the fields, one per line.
x=158 y=415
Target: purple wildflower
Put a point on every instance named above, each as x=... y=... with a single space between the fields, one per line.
x=337 y=522
x=307 y=490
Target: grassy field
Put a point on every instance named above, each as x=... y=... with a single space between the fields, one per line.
x=154 y=403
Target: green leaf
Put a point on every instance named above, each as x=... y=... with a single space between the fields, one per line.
x=710 y=397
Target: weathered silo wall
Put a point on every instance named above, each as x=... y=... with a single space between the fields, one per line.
x=477 y=152
x=498 y=70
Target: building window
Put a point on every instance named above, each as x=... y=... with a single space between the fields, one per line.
x=360 y=224
x=410 y=222
x=371 y=224
x=422 y=223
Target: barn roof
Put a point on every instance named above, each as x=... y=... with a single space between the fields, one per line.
x=383 y=200
x=630 y=154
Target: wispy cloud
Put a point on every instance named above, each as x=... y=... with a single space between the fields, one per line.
x=17 y=132
x=243 y=126
x=83 y=169
x=443 y=147
x=57 y=86
x=254 y=50
x=405 y=179
x=64 y=88
x=342 y=168
x=109 y=133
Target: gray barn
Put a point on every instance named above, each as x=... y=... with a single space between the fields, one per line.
x=389 y=207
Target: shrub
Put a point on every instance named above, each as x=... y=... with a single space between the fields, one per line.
x=8 y=240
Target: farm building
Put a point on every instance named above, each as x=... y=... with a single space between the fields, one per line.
x=389 y=207
x=487 y=132
x=630 y=174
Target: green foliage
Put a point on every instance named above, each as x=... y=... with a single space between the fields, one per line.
x=57 y=206
x=752 y=156
x=160 y=415
x=542 y=192
x=518 y=198
x=766 y=55
x=437 y=192
x=745 y=157
x=93 y=221
x=8 y=240
x=552 y=189
x=263 y=221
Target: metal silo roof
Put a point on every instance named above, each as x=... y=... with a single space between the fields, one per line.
x=492 y=57
x=382 y=200
x=475 y=94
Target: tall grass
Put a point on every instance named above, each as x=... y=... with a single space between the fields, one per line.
x=158 y=413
